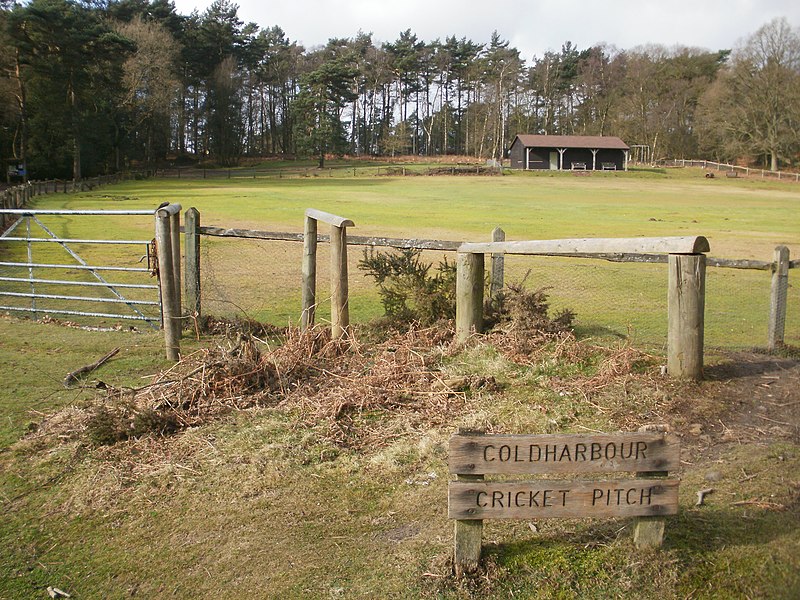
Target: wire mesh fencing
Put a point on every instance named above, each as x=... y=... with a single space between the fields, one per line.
x=260 y=279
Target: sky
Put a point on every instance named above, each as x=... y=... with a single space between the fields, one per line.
x=531 y=26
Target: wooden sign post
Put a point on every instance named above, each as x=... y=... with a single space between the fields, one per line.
x=473 y=499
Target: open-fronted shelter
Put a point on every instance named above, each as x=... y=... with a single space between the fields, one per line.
x=569 y=152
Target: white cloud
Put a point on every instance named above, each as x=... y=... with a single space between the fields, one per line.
x=533 y=27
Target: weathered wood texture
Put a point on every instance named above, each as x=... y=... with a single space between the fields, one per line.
x=535 y=454
x=170 y=305
x=467 y=536
x=469 y=295
x=498 y=264
x=175 y=232
x=252 y=234
x=778 y=298
x=309 y=273
x=686 y=315
x=340 y=308
x=667 y=245
x=543 y=499
x=648 y=532
x=329 y=218
x=352 y=240
x=191 y=295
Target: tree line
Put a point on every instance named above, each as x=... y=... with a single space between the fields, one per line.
x=96 y=86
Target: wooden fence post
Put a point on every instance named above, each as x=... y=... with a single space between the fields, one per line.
x=309 y=272
x=686 y=314
x=192 y=263
x=170 y=283
x=498 y=264
x=340 y=310
x=175 y=232
x=469 y=294
x=778 y=297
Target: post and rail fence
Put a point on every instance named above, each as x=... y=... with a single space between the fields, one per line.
x=685 y=256
x=733 y=170
x=686 y=259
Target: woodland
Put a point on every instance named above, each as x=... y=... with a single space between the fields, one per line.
x=96 y=86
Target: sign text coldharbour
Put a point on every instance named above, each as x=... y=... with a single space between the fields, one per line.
x=576 y=452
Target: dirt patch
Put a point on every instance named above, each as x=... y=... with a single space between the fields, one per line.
x=760 y=396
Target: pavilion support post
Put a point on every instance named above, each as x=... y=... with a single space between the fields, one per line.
x=561 y=152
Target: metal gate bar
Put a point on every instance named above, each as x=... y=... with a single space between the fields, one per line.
x=98 y=213
x=75 y=267
x=63 y=241
x=26 y=215
x=79 y=298
x=83 y=314
x=105 y=284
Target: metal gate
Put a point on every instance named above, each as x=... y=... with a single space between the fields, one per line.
x=45 y=271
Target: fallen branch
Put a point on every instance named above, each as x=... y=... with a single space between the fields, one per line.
x=701 y=496
x=74 y=375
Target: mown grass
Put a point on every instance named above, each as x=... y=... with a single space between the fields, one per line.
x=743 y=218
x=261 y=503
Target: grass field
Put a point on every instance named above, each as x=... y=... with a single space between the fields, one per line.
x=743 y=219
x=263 y=502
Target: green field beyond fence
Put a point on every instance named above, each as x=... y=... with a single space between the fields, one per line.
x=742 y=218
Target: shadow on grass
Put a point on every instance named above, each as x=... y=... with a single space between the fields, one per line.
x=693 y=531
x=734 y=369
x=597 y=331
x=655 y=170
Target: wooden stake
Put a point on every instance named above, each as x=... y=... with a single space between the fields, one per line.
x=309 y=271
x=778 y=297
x=169 y=300
x=498 y=264
x=340 y=311
x=192 y=263
x=685 y=310
x=469 y=295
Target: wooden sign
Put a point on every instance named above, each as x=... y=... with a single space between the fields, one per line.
x=536 y=454
x=471 y=499
x=541 y=499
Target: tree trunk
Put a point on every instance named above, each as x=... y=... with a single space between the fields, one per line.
x=76 y=142
x=23 y=120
